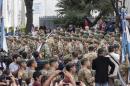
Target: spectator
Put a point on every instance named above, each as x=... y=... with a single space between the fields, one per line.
x=37 y=78
x=21 y=71
x=115 y=58
x=117 y=48
x=14 y=66
x=112 y=53
x=100 y=65
x=53 y=66
x=91 y=55
x=46 y=67
x=69 y=74
x=31 y=66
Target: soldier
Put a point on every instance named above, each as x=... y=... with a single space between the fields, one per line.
x=79 y=46
x=85 y=74
x=91 y=55
x=47 y=51
x=60 y=46
x=70 y=46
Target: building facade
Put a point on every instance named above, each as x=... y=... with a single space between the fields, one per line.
x=14 y=11
x=43 y=8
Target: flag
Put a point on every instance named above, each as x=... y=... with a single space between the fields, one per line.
x=124 y=40
x=1 y=3
x=128 y=41
x=3 y=43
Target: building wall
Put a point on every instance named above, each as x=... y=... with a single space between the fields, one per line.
x=15 y=14
x=46 y=8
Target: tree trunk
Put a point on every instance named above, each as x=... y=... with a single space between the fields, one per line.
x=29 y=15
x=115 y=7
x=117 y=17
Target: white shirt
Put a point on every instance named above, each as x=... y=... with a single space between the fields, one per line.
x=115 y=56
x=13 y=67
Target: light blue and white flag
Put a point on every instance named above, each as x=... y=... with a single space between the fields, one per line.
x=124 y=41
x=128 y=41
x=1 y=7
x=3 y=43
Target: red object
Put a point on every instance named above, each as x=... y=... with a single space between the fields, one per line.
x=86 y=23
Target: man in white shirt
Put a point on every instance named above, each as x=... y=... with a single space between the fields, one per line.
x=14 y=66
x=115 y=58
x=112 y=53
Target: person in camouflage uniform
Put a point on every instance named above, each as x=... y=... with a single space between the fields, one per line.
x=85 y=74
x=60 y=46
x=91 y=55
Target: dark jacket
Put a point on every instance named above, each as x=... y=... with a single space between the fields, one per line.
x=100 y=65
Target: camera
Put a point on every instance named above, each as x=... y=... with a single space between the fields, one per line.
x=8 y=78
x=78 y=83
x=61 y=75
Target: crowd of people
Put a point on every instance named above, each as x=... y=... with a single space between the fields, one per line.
x=84 y=57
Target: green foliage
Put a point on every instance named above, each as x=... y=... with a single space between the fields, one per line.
x=23 y=30
x=75 y=10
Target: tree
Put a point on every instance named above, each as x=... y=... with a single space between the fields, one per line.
x=29 y=15
x=82 y=8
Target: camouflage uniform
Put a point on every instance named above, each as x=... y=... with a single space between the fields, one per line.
x=85 y=76
x=60 y=47
x=70 y=47
x=91 y=56
x=47 y=51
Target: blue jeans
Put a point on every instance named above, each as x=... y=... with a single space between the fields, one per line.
x=102 y=84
